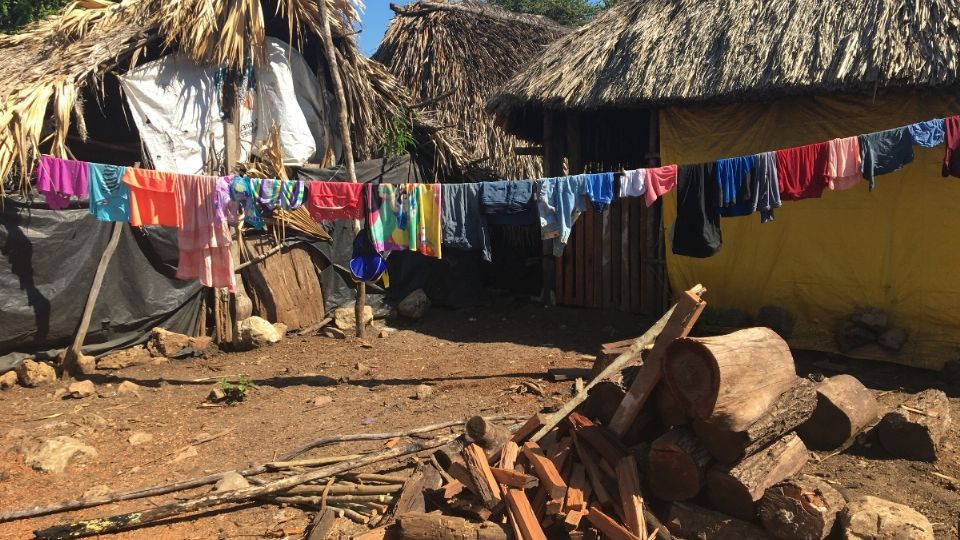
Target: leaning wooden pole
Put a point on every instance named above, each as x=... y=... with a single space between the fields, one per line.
x=72 y=362
x=344 y=120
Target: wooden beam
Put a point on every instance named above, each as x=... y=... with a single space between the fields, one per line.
x=546 y=471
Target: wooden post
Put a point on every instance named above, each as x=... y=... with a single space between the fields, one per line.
x=656 y=293
x=344 y=122
x=72 y=361
x=552 y=166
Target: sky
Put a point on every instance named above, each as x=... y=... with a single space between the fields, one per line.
x=375 y=18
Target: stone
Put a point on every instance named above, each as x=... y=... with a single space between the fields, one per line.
x=871 y=318
x=387 y=331
x=345 y=318
x=59 y=393
x=187 y=453
x=852 y=337
x=332 y=332
x=81 y=389
x=93 y=421
x=203 y=344
x=415 y=305
x=166 y=343
x=33 y=374
x=127 y=388
x=139 y=438
x=871 y=518
x=424 y=391
x=231 y=481
x=320 y=401
x=777 y=319
x=216 y=395
x=257 y=332
x=97 y=492
x=56 y=454
x=893 y=339
x=8 y=380
x=134 y=356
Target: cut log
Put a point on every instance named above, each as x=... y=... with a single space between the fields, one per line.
x=730 y=381
x=791 y=409
x=803 y=508
x=416 y=526
x=546 y=471
x=690 y=521
x=485 y=434
x=914 y=429
x=412 y=495
x=669 y=409
x=603 y=401
x=735 y=490
x=677 y=465
x=844 y=408
x=487 y=489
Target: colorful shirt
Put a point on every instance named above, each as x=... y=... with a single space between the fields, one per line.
x=328 y=201
x=59 y=179
x=660 y=181
x=843 y=163
x=153 y=197
x=802 y=171
x=109 y=196
x=203 y=238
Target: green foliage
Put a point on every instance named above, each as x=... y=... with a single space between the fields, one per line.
x=14 y=14
x=236 y=392
x=398 y=135
x=566 y=12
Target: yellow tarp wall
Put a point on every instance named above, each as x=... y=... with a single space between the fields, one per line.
x=897 y=247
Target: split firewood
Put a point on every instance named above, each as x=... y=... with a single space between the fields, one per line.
x=320 y=526
x=791 y=409
x=631 y=497
x=416 y=526
x=486 y=435
x=608 y=526
x=669 y=408
x=730 y=381
x=522 y=512
x=844 y=408
x=475 y=460
x=599 y=437
x=531 y=426
x=545 y=470
x=689 y=521
x=412 y=496
x=560 y=451
x=514 y=479
x=735 y=490
x=458 y=470
x=677 y=465
x=593 y=473
x=915 y=429
x=803 y=508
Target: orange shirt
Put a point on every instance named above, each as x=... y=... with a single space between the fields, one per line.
x=153 y=197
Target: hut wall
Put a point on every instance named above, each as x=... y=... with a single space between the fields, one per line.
x=285 y=287
x=894 y=247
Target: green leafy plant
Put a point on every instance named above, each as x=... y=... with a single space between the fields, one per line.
x=398 y=135
x=14 y=14
x=566 y=12
x=236 y=391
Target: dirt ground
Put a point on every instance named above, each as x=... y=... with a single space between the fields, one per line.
x=473 y=359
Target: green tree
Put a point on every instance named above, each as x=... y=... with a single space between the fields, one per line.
x=566 y=12
x=14 y=14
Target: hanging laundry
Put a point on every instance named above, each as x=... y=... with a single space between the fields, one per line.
x=204 y=237
x=929 y=134
x=328 y=201
x=802 y=171
x=951 y=158
x=109 y=196
x=389 y=213
x=153 y=197
x=660 y=181
x=696 y=231
x=283 y=194
x=227 y=208
x=429 y=230
x=633 y=183
x=885 y=152
x=60 y=179
x=244 y=191
x=843 y=163
x=508 y=202
x=560 y=202
x=739 y=186
x=768 y=185
x=464 y=224
x=600 y=190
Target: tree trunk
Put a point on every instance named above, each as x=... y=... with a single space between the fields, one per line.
x=803 y=508
x=669 y=408
x=914 y=430
x=415 y=526
x=734 y=490
x=844 y=408
x=677 y=465
x=730 y=381
x=791 y=409
x=689 y=521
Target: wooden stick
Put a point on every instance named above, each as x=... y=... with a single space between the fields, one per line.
x=630 y=496
x=339 y=489
x=608 y=526
x=327 y=460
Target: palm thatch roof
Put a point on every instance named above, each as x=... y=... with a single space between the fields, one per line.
x=45 y=68
x=452 y=55
x=645 y=53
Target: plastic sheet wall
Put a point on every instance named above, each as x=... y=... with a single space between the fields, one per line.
x=897 y=247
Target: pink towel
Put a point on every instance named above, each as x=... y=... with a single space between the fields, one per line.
x=660 y=181
x=204 y=237
x=59 y=179
x=843 y=165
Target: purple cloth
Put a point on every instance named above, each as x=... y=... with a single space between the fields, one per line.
x=59 y=179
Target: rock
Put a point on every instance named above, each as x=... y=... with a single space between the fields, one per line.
x=56 y=454
x=424 y=391
x=415 y=305
x=257 y=332
x=777 y=319
x=280 y=328
x=8 y=380
x=33 y=374
x=320 y=401
x=187 y=453
x=216 y=395
x=134 y=356
x=166 y=343
x=59 y=393
x=893 y=339
x=386 y=331
x=871 y=318
x=139 y=438
x=203 y=344
x=231 y=481
x=870 y=518
x=93 y=421
x=97 y=492
x=127 y=387
x=852 y=336
x=332 y=332
x=345 y=318
x=81 y=389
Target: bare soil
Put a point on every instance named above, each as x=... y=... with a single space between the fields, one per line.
x=475 y=360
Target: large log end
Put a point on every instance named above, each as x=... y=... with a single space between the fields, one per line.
x=916 y=428
x=803 y=508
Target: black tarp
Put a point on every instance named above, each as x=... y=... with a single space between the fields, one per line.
x=47 y=263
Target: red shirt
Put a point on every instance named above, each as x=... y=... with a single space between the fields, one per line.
x=951 y=158
x=802 y=171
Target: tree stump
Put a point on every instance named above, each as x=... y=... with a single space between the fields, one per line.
x=730 y=381
x=690 y=521
x=677 y=465
x=844 y=408
x=735 y=490
x=804 y=508
x=791 y=409
x=914 y=429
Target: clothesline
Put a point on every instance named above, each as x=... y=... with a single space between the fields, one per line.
x=424 y=217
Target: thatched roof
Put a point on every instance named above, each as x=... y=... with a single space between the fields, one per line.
x=645 y=53
x=453 y=55
x=46 y=67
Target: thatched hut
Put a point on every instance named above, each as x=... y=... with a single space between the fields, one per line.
x=669 y=81
x=453 y=55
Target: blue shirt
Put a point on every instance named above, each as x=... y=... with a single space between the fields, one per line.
x=600 y=190
x=928 y=134
x=109 y=196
